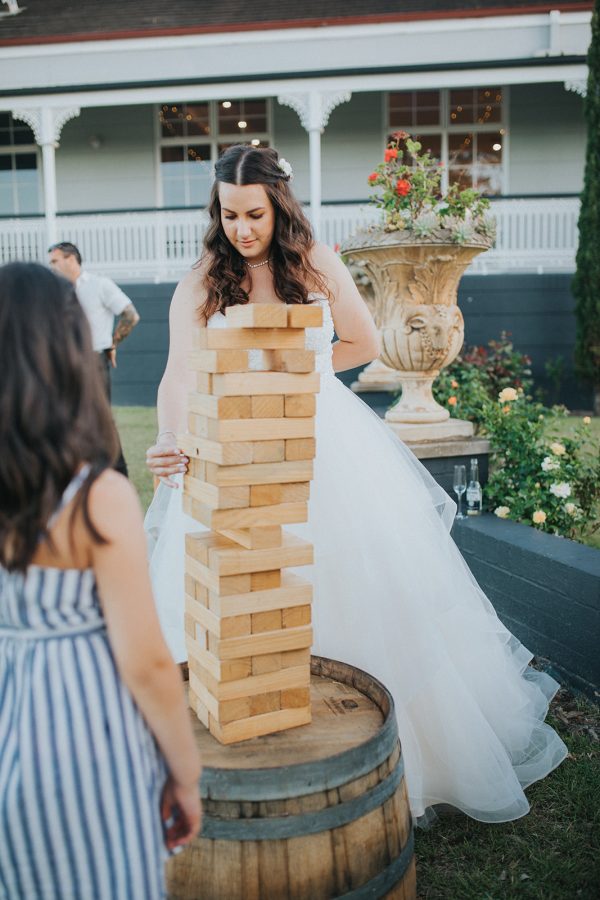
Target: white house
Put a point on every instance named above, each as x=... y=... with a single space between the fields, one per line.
x=112 y=115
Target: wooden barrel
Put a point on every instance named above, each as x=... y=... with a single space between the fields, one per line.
x=311 y=813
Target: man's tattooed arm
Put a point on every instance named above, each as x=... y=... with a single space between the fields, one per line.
x=125 y=323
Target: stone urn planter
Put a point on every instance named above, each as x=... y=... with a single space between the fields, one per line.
x=415 y=283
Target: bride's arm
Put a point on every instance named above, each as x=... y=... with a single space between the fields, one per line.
x=359 y=341
x=163 y=458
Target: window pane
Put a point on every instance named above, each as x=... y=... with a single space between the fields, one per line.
x=488 y=179
x=460 y=148
x=431 y=142
x=25 y=161
x=28 y=198
x=174 y=192
x=198 y=153
x=5 y=119
x=23 y=136
x=171 y=120
x=7 y=207
x=255 y=107
x=171 y=154
x=401 y=118
x=489 y=147
x=5 y=162
x=462 y=176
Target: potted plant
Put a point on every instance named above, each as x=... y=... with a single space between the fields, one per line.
x=415 y=258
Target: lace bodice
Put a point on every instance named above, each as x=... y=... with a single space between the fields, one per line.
x=317 y=339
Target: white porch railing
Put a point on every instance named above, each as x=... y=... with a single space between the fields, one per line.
x=533 y=236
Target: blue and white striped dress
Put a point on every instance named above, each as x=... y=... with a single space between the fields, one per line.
x=80 y=773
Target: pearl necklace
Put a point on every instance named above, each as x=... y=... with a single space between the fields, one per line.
x=257 y=265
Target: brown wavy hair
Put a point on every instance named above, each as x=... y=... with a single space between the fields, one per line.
x=54 y=414
x=293 y=273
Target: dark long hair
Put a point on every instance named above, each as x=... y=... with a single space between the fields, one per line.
x=293 y=273
x=53 y=411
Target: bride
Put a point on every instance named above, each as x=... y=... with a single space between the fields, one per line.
x=392 y=594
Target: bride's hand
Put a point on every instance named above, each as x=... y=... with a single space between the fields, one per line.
x=165 y=459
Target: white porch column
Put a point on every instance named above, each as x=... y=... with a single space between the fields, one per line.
x=47 y=123
x=314 y=109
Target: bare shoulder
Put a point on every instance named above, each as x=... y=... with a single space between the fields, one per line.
x=114 y=505
x=192 y=288
x=325 y=259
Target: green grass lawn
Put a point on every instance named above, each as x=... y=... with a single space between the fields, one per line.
x=551 y=854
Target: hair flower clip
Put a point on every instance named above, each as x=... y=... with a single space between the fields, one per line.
x=285 y=167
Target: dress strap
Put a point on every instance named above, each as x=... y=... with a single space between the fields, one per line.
x=69 y=492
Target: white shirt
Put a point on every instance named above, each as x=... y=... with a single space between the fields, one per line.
x=101 y=300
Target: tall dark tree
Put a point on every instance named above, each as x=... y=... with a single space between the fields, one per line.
x=586 y=284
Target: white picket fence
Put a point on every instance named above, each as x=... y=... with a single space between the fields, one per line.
x=534 y=235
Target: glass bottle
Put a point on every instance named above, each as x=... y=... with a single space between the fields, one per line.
x=474 y=497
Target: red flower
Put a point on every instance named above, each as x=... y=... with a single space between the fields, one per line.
x=390 y=153
x=373 y=177
x=402 y=187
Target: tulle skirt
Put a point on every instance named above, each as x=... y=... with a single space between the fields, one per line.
x=393 y=596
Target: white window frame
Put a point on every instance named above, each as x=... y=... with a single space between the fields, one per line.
x=445 y=130
x=213 y=139
x=13 y=150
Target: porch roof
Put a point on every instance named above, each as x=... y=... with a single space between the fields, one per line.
x=49 y=21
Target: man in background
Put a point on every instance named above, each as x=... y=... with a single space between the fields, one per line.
x=101 y=300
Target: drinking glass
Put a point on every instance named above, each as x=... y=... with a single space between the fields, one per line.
x=460 y=485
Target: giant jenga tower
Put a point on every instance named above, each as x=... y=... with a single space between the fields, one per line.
x=251 y=446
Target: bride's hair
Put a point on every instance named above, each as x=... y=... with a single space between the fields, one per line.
x=293 y=273
x=53 y=411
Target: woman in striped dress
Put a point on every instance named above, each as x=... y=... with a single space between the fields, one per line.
x=99 y=770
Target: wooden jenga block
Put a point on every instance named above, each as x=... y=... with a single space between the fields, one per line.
x=300 y=405
x=267 y=406
x=266 y=663
x=296 y=697
x=257 y=315
x=218 y=361
x=290 y=471
x=197 y=469
x=300 y=448
x=278 y=679
x=257 y=537
x=265 y=703
x=221 y=519
x=292 y=360
x=292 y=591
x=231 y=559
x=268 y=451
x=266 y=621
x=220 y=407
x=224 y=430
x=234 y=497
x=261 y=643
x=204 y=382
x=264 y=581
x=293 y=658
x=304 y=316
x=234 y=384
x=255 y=726
x=230 y=454
x=269 y=494
x=295 y=616
x=250 y=339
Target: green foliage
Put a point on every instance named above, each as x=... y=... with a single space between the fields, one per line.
x=479 y=374
x=411 y=196
x=586 y=284
x=536 y=477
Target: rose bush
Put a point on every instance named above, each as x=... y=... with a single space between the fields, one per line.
x=411 y=197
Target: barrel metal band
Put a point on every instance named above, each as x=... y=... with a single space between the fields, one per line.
x=306 y=823
x=384 y=881
x=303 y=778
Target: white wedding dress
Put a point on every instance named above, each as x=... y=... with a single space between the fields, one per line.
x=393 y=596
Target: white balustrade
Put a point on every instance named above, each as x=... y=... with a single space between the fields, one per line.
x=534 y=235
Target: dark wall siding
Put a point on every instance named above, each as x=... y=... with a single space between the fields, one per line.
x=536 y=309
x=545 y=589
